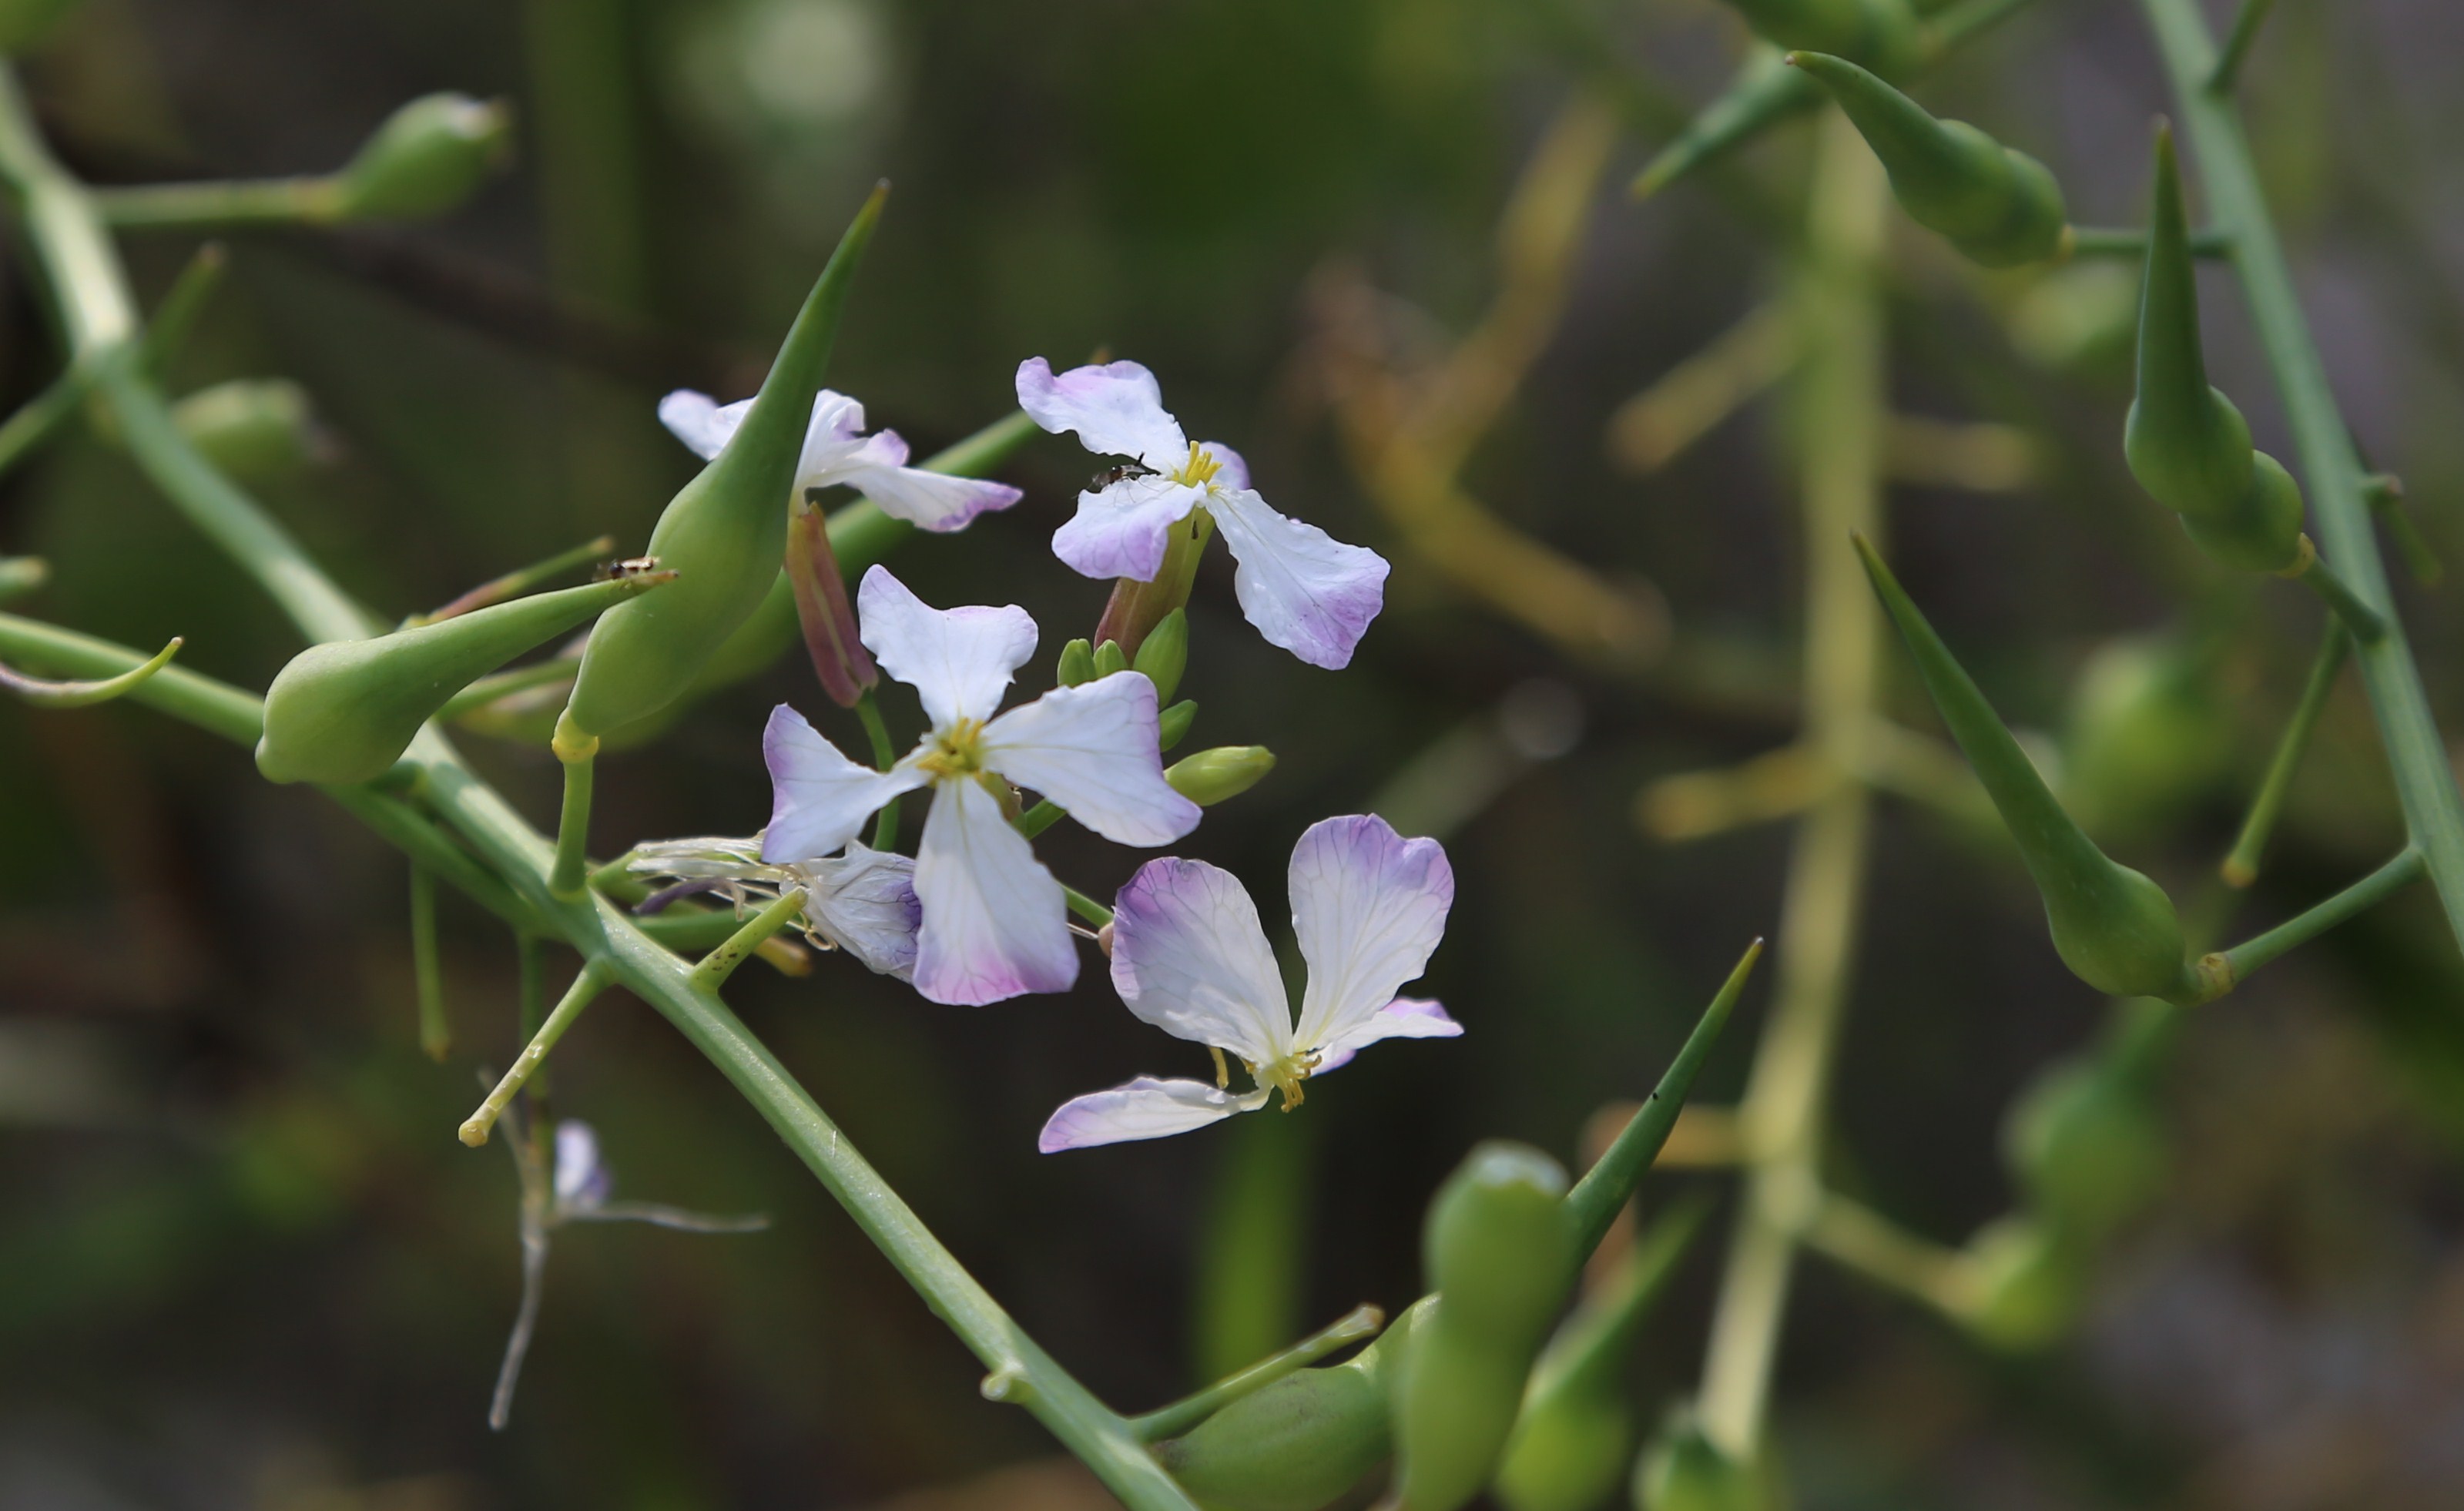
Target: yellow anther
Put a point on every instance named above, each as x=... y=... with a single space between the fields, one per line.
x=1223 y=1071
x=1199 y=469
x=957 y=751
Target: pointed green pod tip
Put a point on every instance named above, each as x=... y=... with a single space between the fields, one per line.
x=1881 y=35
x=725 y=533
x=2115 y=929
x=1212 y=775
x=1164 y=654
x=2000 y=207
x=427 y=159
x=343 y=711
x=1110 y=658
x=1171 y=726
x=1077 y=665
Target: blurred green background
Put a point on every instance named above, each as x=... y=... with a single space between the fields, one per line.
x=243 y=1262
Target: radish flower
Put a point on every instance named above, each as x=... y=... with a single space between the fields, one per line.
x=1190 y=956
x=1305 y=590
x=861 y=902
x=995 y=924
x=837 y=451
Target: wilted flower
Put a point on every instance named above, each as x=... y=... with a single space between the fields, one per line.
x=1303 y=591
x=862 y=901
x=837 y=452
x=995 y=922
x=1190 y=956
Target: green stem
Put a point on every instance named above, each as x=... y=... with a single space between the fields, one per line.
x=1086 y=907
x=1171 y=1421
x=2383 y=493
x=716 y=967
x=503 y=683
x=585 y=989
x=427 y=968
x=2231 y=967
x=1039 y=818
x=519 y=581
x=2240 y=867
x=44 y=693
x=2360 y=618
x=221 y=203
x=2103 y=241
x=569 y=876
x=885 y=824
x=2332 y=474
x=1864 y=1241
x=32 y=425
x=2245 y=32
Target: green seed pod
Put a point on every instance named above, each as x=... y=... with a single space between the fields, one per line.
x=1212 y=775
x=1110 y=658
x=2114 y=927
x=252 y=430
x=725 y=533
x=1164 y=654
x=1684 y=1471
x=1077 y=665
x=2148 y=734
x=23 y=23
x=2001 y=207
x=2086 y=1148
x=1881 y=35
x=343 y=711
x=2029 y=1284
x=1501 y=1252
x=425 y=159
x=1171 y=726
x=2081 y=319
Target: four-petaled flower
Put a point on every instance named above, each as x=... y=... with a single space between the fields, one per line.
x=1190 y=956
x=863 y=902
x=996 y=923
x=838 y=452
x=1303 y=591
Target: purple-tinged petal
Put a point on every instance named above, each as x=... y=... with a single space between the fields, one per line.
x=580 y=1183
x=1369 y=907
x=1303 y=591
x=1144 y=1108
x=1122 y=530
x=1404 y=1017
x=1117 y=410
x=819 y=799
x=934 y=501
x=958 y=660
x=700 y=422
x=1190 y=956
x=995 y=924
x=1232 y=473
x=865 y=903
x=834 y=441
x=1092 y=749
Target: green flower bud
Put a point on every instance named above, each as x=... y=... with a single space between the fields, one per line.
x=1881 y=35
x=1110 y=659
x=343 y=711
x=2001 y=207
x=1165 y=654
x=1171 y=726
x=425 y=159
x=725 y=533
x=2148 y=734
x=1212 y=775
x=23 y=23
x=252 y=430
x=1499 y=1251
x=2115 y=929
x=1684 y=1471
x=2087 y=1147
x=2029 y=1285
x=1077 y=665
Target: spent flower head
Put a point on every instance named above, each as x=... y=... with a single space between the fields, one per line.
x=862 y=900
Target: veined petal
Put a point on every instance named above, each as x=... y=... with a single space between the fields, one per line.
x=1092 y=749
x=1404 y=1017
x=1144 y=1108
x=865 y=903
x=700 y=422
x=1190 y=956
x=1121 y=531
x=1369 y=905
x=819 y=799
x=995 y=924
x=958 y=660
x=934 y=501
x=1303 y=591
x=1117 y=410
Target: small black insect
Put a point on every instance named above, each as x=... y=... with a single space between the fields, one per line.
x=630 y=566
x=1119 y=474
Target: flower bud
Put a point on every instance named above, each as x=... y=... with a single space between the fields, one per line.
x=2087 y=1147
x=2001 y=207
x=1212 y=775
x=23 y=23
x=343 y=711
x=840 y=661
x=2029 y=1285
x=1684 y=1471
x=426 y=158
x=725 y=533
x=1165 y=654
x=1077 y=665
x=1171 y=726
x=1499 y=1251
x=2148 y=734
x=252 y=430
x=2114 y=928
x=1110 y=659
x=1881 y=35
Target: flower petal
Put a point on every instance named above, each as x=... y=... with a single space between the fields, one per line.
x=995 y=924
x=958 y=660
x=1305 y=590
x=865 y=903
x=700 y=422
x=1122 y=530
x=834 y=441
x=934 y=501
x=1190 y=956
x=1117 y=410
x=580 y=1183
x=1233 y=475
x=1092 y=749
x=1144 y=1108
x=819 y=799
x=1369 y=907
x=1404 y=1017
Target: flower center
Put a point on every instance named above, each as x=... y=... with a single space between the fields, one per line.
x=957 y=751
x=1199 y=469
x=1286 y=1074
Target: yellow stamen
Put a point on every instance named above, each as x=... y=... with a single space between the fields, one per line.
x=957 y=751
x=1223 y=1071
x=1199 y=469
x=1288 y=1075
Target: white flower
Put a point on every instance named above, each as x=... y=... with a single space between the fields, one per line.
x=862 y=901
x=995 y=923
x=837 y=451
x=1190 y=956
x=1303 y=589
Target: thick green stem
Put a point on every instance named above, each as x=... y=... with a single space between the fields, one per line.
x=569 y=875
x=2229 y=968
x=221 y=203
x=2240 y=867
x=1171 y=1421
x=585 y=989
